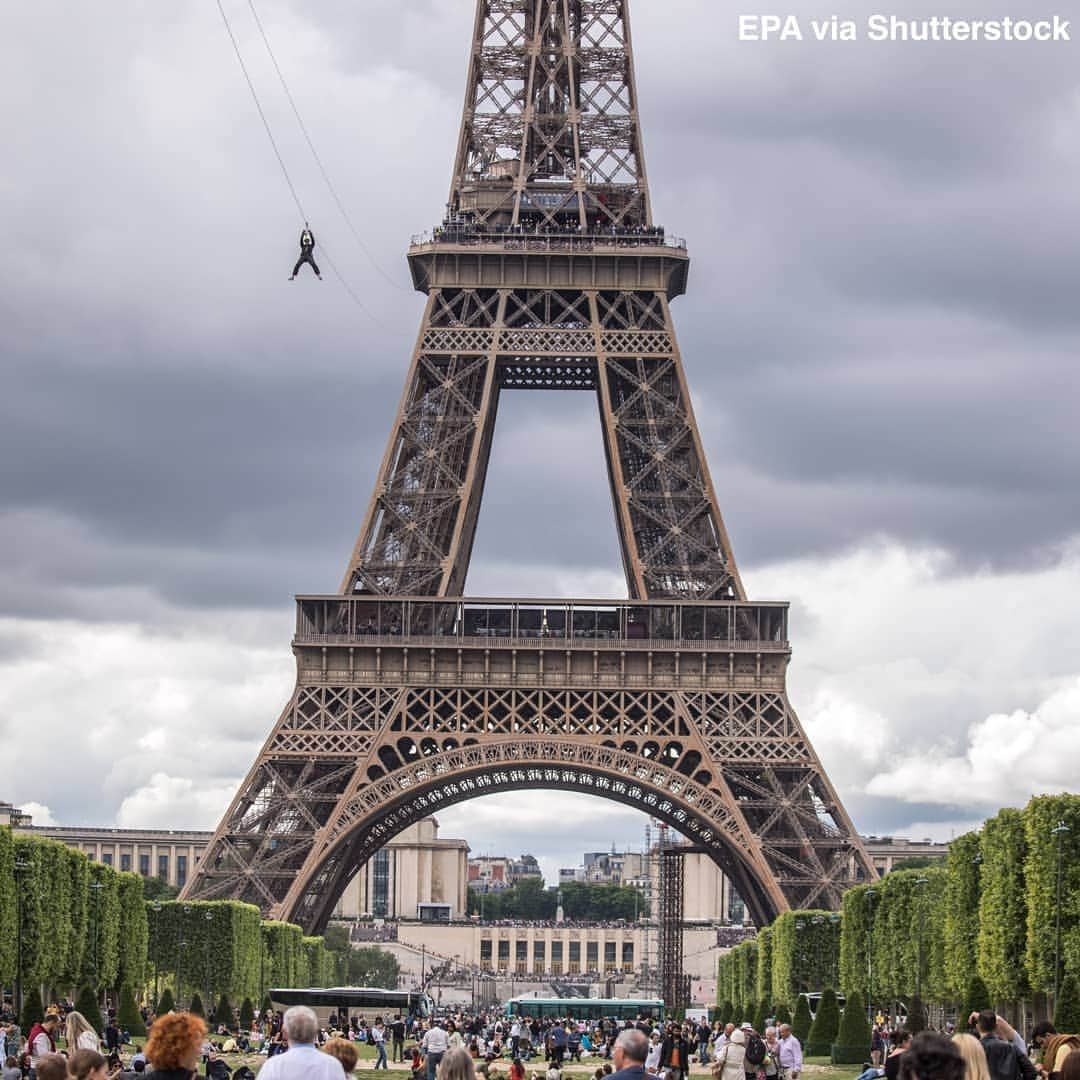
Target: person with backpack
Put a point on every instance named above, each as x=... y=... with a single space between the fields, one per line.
x=756 y=1052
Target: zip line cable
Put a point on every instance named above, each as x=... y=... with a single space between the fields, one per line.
x=318 y=160
x=281 y=161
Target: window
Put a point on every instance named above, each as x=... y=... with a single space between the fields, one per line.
x=125 y=862
x=485 y=955
x=609 y=955
x=163 y=867
x=539 y=956
x=556 y=956
x=380 y=885
x=106 y=858
x=575 y=952
x=181 y=870
x=592 y=955
x=628 y=953
x=144 y=864
x=504 y=952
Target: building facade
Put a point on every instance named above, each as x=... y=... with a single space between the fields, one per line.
x=417 y=875
x=886 y=851
x=492 y=872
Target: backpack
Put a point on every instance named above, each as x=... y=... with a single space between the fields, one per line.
x=755 y=1048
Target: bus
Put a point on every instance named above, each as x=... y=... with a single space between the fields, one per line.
x=587 y=1008
x=366 y=1001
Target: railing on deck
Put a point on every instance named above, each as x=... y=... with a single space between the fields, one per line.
x=522 y=239
x=592 y=624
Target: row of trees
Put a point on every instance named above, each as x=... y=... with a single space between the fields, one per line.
x=530 y=900
x=983 y=924
x=79 y=925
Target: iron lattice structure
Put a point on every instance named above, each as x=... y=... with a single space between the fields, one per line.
x=547 y=272
x=672 y=980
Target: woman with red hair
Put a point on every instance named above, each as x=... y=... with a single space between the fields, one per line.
x=175 y=1046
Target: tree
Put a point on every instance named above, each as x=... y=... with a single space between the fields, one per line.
x=802 y=1020
x=32 y=1011
x=1067 y=1007
x=960 y=924
x=155 y=888
x=724 y=1013
x=87 y=1002
x=372 y=966
x=267 y=1004
x=761 y=1015
x=825 y=1026
x=223 y=1012
x=247 y=1014
x=976 y=998
x=853 y=1036
x=166 y=1003
x=196 y=1006
x=783 y=1015
x=857 y=910
x=1002 y=947
x=128 y=1015
x=916 y=1015
x=915 y=862
x=1043 y=840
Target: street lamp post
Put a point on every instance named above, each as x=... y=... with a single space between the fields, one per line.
x=21 y=866
x=834 y=920
x=800 y=926
x=870 y=894
x=919 y=883
x=208 y=915
x=95 y=889
x=155 y=907
x=818 y=921
x=181 y=945
x=1058 y=831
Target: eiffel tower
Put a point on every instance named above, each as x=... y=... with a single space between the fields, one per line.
x=548 y=272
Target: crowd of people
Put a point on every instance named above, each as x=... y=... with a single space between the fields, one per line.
x=470 y=1045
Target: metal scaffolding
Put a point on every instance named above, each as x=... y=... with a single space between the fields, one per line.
x=672 y=980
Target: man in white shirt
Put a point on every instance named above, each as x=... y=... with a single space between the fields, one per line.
x=652 y=1060
x=434 y=1045
x=301 y=1059
x=789 y=1054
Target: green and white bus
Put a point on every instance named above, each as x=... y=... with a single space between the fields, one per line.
x=587 y=1008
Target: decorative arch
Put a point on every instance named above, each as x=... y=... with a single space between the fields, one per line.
x=373 y=815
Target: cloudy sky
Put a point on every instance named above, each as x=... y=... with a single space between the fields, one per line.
x=881 y=337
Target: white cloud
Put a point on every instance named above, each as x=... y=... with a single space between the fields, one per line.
x=39 y=812
x=155 y=805
x=1008 y=758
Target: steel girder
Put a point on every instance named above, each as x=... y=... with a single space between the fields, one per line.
x=700 y=736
